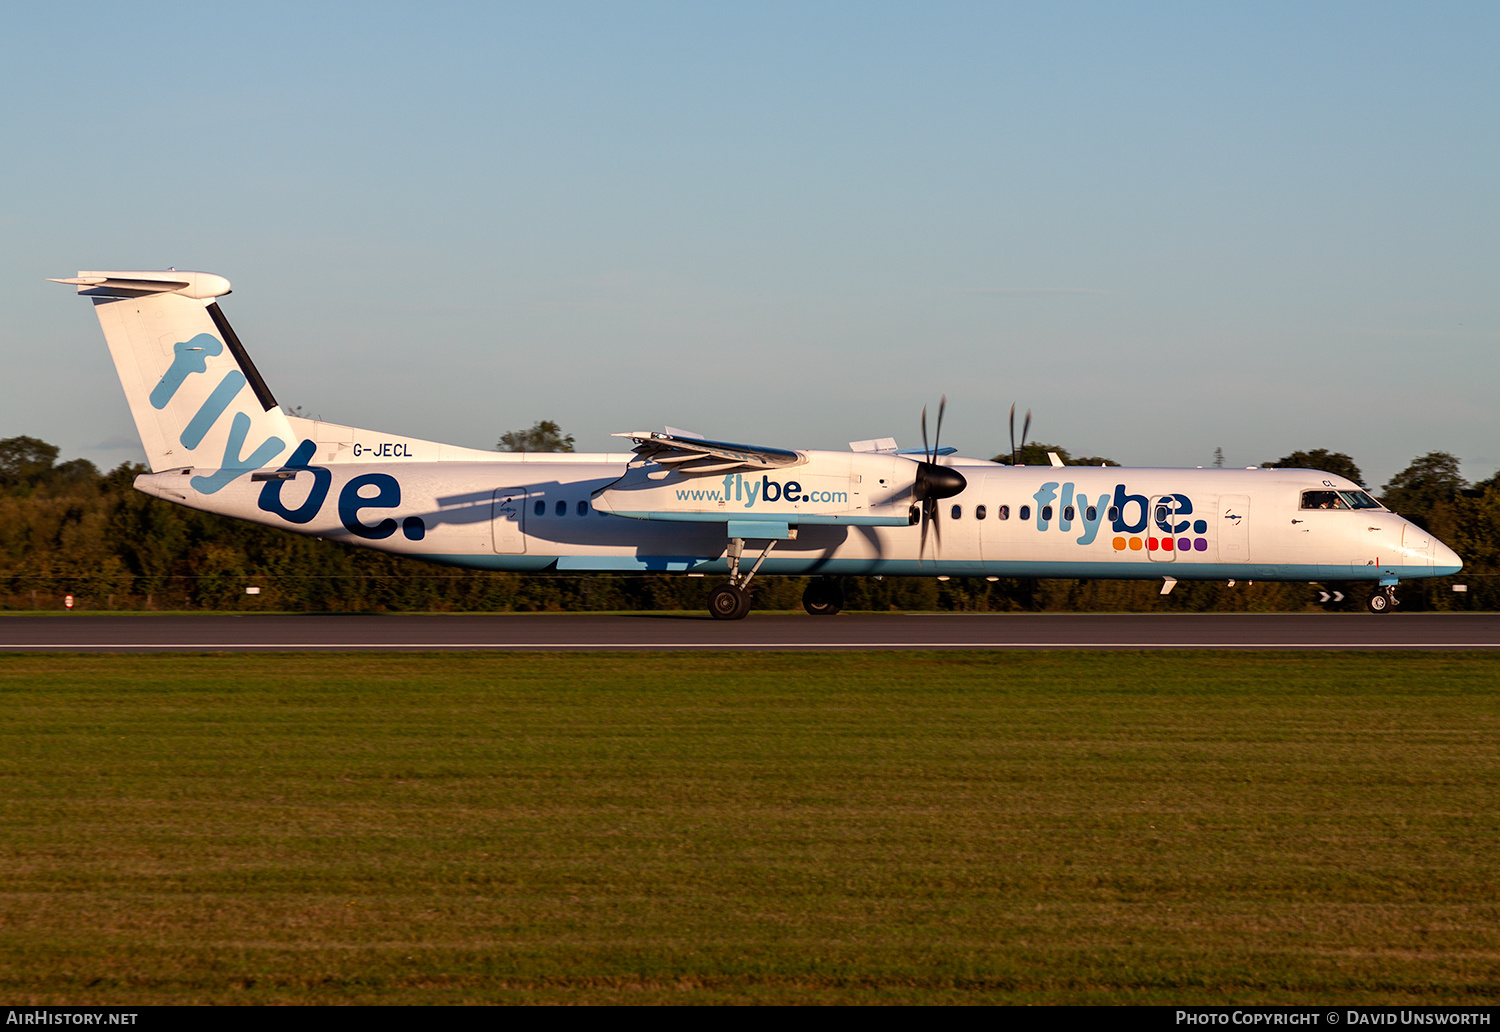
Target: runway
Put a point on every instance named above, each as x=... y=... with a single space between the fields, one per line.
x=78 y=632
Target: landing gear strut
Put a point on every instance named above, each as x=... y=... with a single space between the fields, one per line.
x=732 y=601
x=1384 y=599
x=823 y=597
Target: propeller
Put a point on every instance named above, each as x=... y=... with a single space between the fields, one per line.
x=934 y=482
x=1015 y=454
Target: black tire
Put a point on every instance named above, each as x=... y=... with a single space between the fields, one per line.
x=823 y=598
x=728 y=603
x=1380 y=602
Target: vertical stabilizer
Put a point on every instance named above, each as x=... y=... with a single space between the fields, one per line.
x=196 y=397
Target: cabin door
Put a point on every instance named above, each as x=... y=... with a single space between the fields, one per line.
x=508 y=519
x=1233 y=531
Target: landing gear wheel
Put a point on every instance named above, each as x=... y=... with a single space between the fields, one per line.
x=1382 y=600
x=729 y=603
x=823 y=597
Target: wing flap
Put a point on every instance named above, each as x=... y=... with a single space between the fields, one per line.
x=695 y=455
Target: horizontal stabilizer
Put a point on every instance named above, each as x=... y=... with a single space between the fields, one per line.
x=196 y=285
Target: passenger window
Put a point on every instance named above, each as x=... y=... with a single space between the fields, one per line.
x=583 y=508
x=562 y=507
x=1091 y=513
x=957 y=512
x=1046 y=512
x=1323 y=500
x=979 y=512
x=1025 y=512
x=540 y=508
x=1114 y=512
x=1068 y=513
x=1003 y=512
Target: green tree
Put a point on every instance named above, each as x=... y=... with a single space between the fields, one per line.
x=1320 y=459
x=544 y=436
x=1419 y=490
x=25 y=460
x=1035 y=454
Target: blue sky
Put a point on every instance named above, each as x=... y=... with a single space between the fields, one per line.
x=1164 y=227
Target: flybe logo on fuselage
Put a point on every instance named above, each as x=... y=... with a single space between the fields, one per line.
x=1165 y=518
x=352 y=500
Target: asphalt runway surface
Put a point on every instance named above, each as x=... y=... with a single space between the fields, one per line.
x=87 y=632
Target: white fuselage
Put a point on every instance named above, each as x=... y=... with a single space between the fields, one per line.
x=546 y=512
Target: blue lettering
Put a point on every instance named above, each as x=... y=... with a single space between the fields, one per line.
x=1121 y=524
x=751 y=490
x=350 y=504
x=234 y=465
x=1184 y=508
x=766 y=484
x=1045 y=495
x=212 y=408
x=1091 y=526
x=793 y=491
x=191 y=356
x=270 y=495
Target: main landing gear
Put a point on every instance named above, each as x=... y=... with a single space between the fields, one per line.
x=1384 y=599
x=732 y=601
x=823 y=597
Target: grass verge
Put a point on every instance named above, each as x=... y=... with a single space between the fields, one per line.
x=902 y=827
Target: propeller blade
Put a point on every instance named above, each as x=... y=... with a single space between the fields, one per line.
x=922 y=549
x=1025 y=429
x=925 y=452
x=1013 y=433
x=937 y=529
x=937 y=435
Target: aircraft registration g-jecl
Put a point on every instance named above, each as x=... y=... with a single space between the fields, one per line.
x=217 y=441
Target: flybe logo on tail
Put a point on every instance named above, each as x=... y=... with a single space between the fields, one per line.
x=190 y=358
x=1163 y=518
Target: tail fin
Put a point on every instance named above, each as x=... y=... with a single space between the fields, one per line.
x=186 y=374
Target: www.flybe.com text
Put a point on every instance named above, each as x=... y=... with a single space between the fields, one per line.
x=748 y=492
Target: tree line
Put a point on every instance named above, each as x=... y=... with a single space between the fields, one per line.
x=66 y=528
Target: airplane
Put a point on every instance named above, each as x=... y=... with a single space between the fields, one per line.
x=677 y=502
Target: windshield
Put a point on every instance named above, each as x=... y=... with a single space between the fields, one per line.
x=1359 y=500
x=1338 y=500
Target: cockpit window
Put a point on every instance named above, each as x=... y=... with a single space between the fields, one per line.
x=1323 y=500
x=1338 y=500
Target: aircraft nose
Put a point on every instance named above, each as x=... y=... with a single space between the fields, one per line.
x=1445 y=561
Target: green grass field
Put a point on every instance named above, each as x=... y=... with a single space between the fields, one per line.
x=897 y=827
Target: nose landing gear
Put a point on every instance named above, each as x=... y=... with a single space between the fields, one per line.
x=1384 y=599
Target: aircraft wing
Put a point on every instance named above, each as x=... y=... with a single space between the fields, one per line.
x=693 y=455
